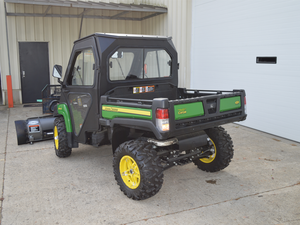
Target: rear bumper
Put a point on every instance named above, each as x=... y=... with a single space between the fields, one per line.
x=189 y=126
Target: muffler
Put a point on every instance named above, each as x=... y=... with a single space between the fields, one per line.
x=34 y=129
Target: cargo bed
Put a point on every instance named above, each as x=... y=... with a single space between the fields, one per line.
x=192 y=111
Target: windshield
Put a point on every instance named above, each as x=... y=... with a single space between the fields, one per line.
x=139 y=63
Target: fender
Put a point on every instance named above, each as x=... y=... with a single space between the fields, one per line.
x=63 y=110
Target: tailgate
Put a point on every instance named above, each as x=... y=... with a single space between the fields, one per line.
x=214 y=109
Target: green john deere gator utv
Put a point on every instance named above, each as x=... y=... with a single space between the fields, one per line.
x=123 y=90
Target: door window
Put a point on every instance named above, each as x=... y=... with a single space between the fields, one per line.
x=79 y=104
x=83 y=69
x=139 y=63
x=157 y=63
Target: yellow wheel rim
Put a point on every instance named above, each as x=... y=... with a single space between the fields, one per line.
x=130 y=172
x=56 y=137
x=211 y=157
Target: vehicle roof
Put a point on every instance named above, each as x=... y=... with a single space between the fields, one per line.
x=127 y=36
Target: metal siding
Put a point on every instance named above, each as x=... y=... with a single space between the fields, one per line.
x=65 y=39
x=3 y=48
x=38 y=24
x=227 y=38
x=177 y=23
x=60 y=33
x=47 y=23
x=57 y=40
x=113 y=24
x=29 y=24
x=90 y=26
x=129 y=26
x=188 y=48
x=20 y=23
x=13 y=48
x=73 y=29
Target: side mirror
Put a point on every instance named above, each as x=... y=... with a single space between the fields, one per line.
x=57 y=70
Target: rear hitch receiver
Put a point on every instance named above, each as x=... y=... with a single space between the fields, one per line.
x=163 y=143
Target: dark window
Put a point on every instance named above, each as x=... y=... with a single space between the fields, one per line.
x=266 y=60
x=83 y=69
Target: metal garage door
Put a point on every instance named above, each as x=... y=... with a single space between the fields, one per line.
x=254 y=45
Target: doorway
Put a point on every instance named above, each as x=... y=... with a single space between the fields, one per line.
x=34 y=69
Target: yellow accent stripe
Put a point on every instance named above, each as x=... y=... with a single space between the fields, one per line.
x=123 y=110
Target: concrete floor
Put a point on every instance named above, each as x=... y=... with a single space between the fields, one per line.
x=261 y=185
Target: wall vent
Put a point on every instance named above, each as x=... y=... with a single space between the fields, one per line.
x=266 y=60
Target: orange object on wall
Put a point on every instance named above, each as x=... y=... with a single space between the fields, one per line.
x=10 y=98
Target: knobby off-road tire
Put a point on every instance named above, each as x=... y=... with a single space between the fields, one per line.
x=61 y=147
x=222 y=144
x=137 y=169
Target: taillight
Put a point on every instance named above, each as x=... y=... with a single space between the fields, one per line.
x=162 y=114
x=162 y=119
x=245 y=105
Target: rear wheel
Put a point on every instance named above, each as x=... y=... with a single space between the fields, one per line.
x=62 y=149
x=221 y=148
x=137 y=169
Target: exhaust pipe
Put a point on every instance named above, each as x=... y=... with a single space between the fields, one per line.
x=34 y=129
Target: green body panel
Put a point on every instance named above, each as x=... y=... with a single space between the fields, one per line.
x=231 y=103
x=112 y=111
x=188 y=110
x=63 y=110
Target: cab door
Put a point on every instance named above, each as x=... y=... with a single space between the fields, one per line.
x=80 y=92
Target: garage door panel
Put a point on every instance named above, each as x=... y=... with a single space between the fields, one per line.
x=227 y=36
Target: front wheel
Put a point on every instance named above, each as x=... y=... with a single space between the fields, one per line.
x=221 y=148
x=62 y=149
x=137 y=169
